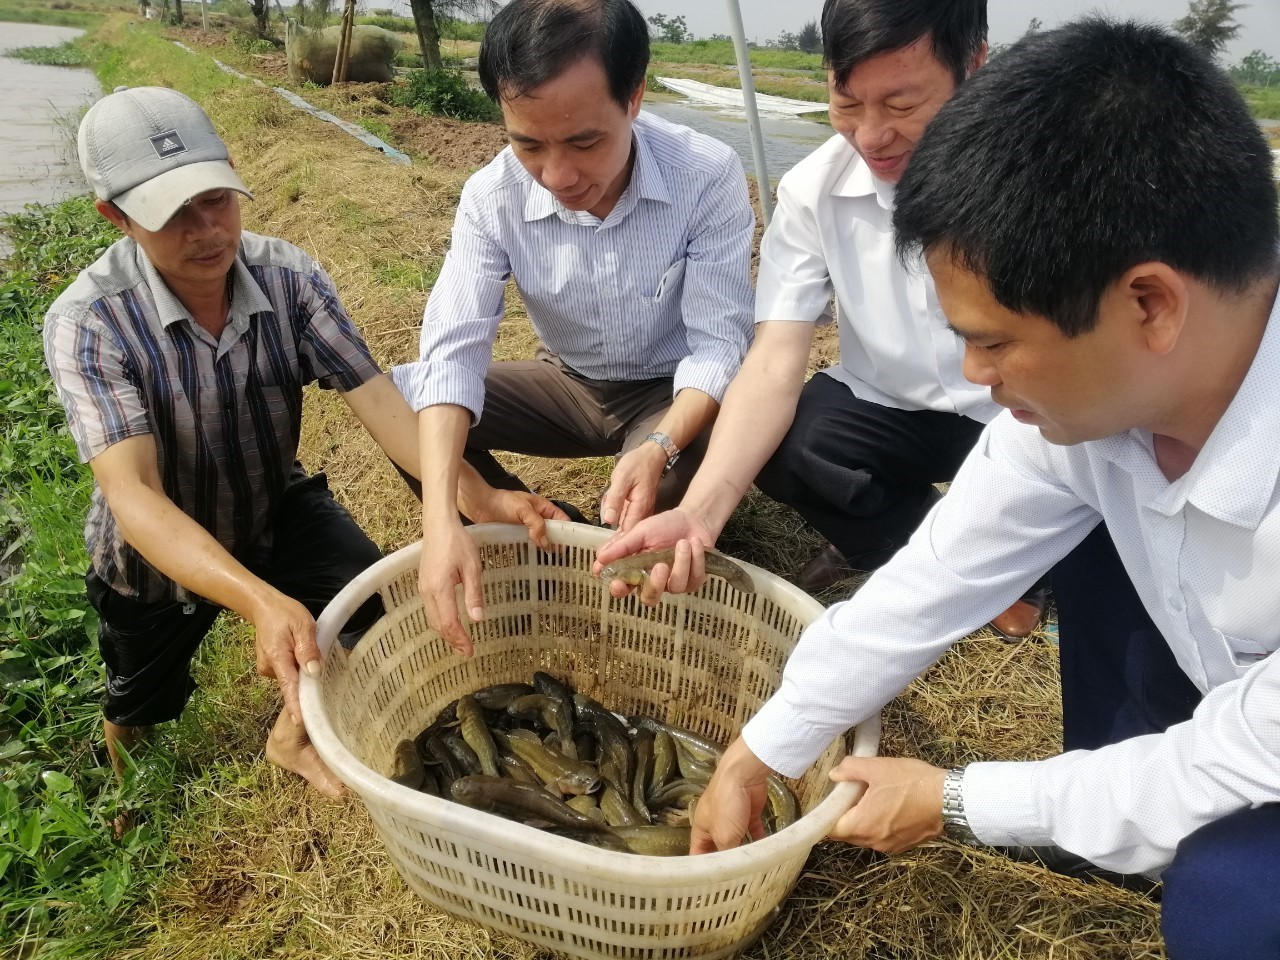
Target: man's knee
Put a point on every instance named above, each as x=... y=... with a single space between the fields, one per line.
x=1219 y=892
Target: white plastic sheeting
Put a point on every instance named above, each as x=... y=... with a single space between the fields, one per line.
x=731 y=99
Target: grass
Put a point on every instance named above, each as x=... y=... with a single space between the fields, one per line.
x=1263 y=101
x=64 y=13
x=63 y=880
x=238 y=860
x=795 y=88
x=68 y=54
x=722 y=52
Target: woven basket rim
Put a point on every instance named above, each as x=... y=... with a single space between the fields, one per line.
x=375 y=789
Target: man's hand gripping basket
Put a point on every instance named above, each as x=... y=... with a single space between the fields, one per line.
x=705 y=661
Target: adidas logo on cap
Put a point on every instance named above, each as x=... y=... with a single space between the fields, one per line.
x=167 y=144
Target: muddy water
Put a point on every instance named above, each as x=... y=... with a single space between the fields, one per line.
x=38 y=116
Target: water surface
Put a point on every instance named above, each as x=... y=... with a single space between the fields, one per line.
x=786 y=141
x=39 y=113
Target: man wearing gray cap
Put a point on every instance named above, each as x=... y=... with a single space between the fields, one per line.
x=180 y=356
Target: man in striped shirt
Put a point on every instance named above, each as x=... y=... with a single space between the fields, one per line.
x=180 y=356
x=630 y=241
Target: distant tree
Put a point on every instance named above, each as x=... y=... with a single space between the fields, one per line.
x=1210 y=24
x=786 y=40
x=427 y=15
x=809 y=40
x=995 y=49
x=716 y=37
x=1257 y=70
x=669 y=29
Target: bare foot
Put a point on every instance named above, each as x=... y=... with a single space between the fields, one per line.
x=289 y=748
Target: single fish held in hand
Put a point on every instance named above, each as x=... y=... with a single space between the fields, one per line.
x=633 y=569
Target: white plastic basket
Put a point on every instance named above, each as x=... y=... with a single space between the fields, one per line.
x=705 y=661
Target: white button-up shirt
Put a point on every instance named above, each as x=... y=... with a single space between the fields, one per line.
x=1204 y=555
x=660 y=288
x=832 y=233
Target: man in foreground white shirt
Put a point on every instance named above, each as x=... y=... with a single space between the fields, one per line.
x=1114 y=277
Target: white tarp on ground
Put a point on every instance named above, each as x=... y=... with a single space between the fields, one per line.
x=730 y=99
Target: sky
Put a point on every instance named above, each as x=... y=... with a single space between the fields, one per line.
x=1007 y=19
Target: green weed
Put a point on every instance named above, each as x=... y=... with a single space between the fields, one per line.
x=62 y=875
x=68 y=54
x=721 y=52
x=444 y=93
x=1264 y=102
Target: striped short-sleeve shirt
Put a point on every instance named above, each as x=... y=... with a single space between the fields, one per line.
x=128 y=360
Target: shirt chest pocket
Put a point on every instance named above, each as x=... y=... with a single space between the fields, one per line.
x=1244 y=652
x=668 y=285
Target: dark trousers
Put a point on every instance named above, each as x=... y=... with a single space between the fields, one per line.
x=862 y=474
x=1120 y=680
x=543 y=408
x=147 y=647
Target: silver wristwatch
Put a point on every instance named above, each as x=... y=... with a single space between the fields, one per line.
x=954 y=823
x=669 y=447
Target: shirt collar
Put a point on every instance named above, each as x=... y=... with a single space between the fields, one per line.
x=247 y=298
x=1234 y=477
x=857 y=180
x=647 y=183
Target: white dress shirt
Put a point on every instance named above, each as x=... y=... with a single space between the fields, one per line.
x=832 y=232
x=660 y=288
x=1204 y=555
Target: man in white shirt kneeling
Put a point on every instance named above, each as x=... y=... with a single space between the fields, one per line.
x=1114 y=275
x=858 y=448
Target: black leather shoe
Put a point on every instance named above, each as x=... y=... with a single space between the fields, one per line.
x=825 y=570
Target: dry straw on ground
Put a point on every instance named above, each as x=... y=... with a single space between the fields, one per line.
x=271 y=869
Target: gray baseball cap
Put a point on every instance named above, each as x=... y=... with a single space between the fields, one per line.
x=151 y=149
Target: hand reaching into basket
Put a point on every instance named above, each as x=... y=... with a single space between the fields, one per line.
x=450 y=557
x=633 y=486
x=729 y=810
x=677 y=529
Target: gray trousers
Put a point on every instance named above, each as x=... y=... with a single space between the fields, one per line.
x=544 y=408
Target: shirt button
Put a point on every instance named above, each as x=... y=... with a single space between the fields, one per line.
x=1174 y=601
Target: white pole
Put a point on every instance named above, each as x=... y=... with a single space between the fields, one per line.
x=753 y=117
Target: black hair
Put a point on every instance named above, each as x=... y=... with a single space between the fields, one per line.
x=532 y=41
x=1084 y=151
x=856 y=30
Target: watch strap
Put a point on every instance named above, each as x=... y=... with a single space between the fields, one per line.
x=669 y=448
x=954 y=821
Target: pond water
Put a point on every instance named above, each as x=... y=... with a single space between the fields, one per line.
x=38 y=118
x=786 y=141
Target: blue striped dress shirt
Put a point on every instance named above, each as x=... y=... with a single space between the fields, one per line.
x=660 y=288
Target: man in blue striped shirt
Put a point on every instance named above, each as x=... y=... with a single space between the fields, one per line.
x=629 y=239
x=180 y=356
